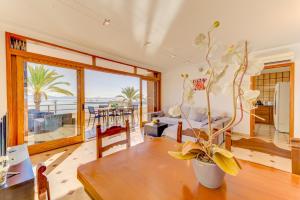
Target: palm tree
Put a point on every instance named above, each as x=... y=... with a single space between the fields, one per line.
x=129 y=94
x=42 y=81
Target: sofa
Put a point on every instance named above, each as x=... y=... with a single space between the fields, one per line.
x=196 y=116
x=42 y=122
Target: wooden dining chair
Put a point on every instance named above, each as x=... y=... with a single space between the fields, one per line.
x=112 y=131
x=203 y=135
x=189 y=132
x=42 y=182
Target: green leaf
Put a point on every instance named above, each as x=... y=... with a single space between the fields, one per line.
x=178 y=155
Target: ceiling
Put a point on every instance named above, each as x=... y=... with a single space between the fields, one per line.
x=170 y=26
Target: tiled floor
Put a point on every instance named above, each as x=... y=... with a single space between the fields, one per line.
x=69 y=130
x=277 y=162
x=63 y=163
x=268 y=133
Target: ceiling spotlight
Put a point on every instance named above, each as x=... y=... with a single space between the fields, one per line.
x=106 y=22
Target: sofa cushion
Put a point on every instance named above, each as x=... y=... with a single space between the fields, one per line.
x=168 y=120
x=198 y=114
x=174 y=111
x=186 y=111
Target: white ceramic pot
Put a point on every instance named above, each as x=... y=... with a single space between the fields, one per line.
x=208 y=174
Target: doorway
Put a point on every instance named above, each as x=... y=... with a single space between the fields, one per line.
x=274 y=119
x=149 y=99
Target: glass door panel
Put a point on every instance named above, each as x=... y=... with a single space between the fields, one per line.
x=50 y=103
x=149 y=99
x=110 y=99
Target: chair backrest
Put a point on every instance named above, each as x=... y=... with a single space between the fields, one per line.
x=42 y=183
x=114 y=130
x=189 y=132
x=91 y=109
x=203 y=135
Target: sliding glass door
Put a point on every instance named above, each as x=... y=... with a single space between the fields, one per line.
x=50 y=100
x=149 y=99
x=50 y=97
x=110 y=99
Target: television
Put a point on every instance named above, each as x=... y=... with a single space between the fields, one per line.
x=3 y=136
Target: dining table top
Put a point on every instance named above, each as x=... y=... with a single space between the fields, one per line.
x=147 y=172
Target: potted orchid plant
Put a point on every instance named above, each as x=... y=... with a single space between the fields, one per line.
x=211 y=161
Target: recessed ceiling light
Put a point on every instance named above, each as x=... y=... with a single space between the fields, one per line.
x=106 y=22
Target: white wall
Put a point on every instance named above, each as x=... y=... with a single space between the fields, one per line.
x=172 y=92
x=2 y=74
x=172 y=89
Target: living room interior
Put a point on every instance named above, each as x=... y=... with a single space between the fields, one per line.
x=152 y=99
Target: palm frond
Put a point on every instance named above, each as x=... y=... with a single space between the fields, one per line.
x=42 y=80
x=60 y=90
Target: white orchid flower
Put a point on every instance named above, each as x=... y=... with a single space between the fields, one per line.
x=216 y=89
x=189 y=93
x=175 y=111
x=248 y=99
x=227 y=89
x=234 y=54
x=200 y=40
x=204 y=71
x=254 y=67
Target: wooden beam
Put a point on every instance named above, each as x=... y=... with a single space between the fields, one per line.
x=228 y=142
x=74 y=50
x=295 y=143
x=141 y=102
x=179 y=132
x=292 y=89
x=38 y=58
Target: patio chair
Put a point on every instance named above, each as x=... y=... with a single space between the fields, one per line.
x=93 y=114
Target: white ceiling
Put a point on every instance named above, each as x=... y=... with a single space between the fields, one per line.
x=169 y=25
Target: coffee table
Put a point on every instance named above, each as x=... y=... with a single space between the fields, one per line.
x=155 y=130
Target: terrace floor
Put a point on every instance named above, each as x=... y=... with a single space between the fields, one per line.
x=70 y=130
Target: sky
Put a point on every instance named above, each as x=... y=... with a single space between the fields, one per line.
x=97 y=84
x=100 y=84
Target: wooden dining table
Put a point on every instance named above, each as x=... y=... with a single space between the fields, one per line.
x=147 y=172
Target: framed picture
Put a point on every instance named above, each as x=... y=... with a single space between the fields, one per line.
x=199 y=84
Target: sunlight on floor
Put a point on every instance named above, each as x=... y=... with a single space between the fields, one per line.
x=62 y=166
